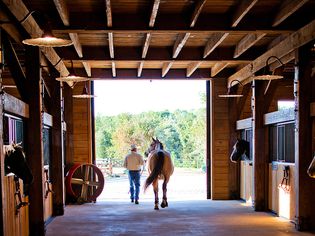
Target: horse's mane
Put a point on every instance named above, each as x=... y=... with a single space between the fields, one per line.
x=9 y=149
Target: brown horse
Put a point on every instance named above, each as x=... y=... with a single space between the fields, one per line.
x=160 y=166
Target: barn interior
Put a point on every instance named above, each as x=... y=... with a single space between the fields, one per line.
x=256 y=53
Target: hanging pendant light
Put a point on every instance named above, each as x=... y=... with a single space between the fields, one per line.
x=72 y=77
x=84 y=94
x=268 y=75
x=48 y=40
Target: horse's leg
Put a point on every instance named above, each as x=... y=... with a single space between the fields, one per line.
x=156 y=194
x=164 y=186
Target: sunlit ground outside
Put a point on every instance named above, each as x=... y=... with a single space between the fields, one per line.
x=185 y=184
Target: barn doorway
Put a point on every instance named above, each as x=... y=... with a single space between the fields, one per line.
x=129 y=112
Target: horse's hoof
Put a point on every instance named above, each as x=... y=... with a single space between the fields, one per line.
x=156 y=208
x=163 y=205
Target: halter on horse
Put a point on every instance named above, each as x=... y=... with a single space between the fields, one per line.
x=15 y=162
x=160 y=166
x=240 y=147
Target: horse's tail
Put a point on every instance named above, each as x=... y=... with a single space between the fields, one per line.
x=156 y=171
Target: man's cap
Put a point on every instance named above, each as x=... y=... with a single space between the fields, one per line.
x=133 y=146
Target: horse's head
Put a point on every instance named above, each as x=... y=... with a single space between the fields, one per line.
x=240 y=147
x=155 y=145
x=15 y=162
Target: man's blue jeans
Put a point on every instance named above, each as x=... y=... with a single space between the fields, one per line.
x=134 y=182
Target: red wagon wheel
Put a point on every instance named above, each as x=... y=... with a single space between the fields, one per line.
x=85 y=181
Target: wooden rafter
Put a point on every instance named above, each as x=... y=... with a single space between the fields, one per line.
x=113 y=69
x=179 y=44
x=140 y=67
x=219 y=66
x=109 y=14
x=146 y=45
x=87 y=67
x=242 y=10
x=154 y=12
x=192 y=67
x=292 y=42
x=287 y=8
x=246 y=42
x=76 y=43
x=63 y=11
x=197 y=11
x=111 y=45
x=19 y=10
x=214 y=41
x=10 y=28
x=166 y=67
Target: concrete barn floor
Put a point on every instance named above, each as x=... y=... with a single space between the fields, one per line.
x=200 y=217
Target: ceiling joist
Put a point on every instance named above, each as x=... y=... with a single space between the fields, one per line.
x=63 y=11
x=154 y=12
x=76 y=43
x=179 y=44
x=287 y=9
x=242 y=10
x=146 y=45
x=87 y=67
x=246 y=42
x=140 y=67
x=111 y=45
x=198 y=8
x=109 y=14
x=217 y=68
x=113 y=69
x=213 y=42
x=292 y=42
x=192 y=67
x=166 y=67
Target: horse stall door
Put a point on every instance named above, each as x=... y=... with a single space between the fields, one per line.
x=281 y=196
x=16 y=220
x=48 y=201
x=246 y=171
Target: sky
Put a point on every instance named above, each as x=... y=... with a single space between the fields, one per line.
x=132 y=96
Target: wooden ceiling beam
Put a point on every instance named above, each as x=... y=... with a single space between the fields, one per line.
x=213 y=42
x=147 y=74
x=146 y=45
x=111 y=45
x=192 y=68
x=154 y=12
x=217 y=68
x=179 y=44
x=19 y=10
x=109 y=14
x=113 y=69
x=292 y=42
x=10 y=29
x=242 y=10
x=287 y=8
x=62 y=9
x=166 y=67
x=76 y=43
x=246 y=42
x=198 y=8
x=87 y=67
x=140 y=67
x=158 y=53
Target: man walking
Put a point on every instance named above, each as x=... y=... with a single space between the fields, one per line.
x=133 y=162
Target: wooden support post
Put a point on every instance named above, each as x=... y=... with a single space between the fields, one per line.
x=208 y=125
x=68 y=118
x=34 y=145
x=57 y=160
x=304 y=93
x=260 y=159
x=2 y=199
x=234 y=168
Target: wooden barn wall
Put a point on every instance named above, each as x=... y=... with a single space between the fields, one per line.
x=220 y=137
x=82 y=135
